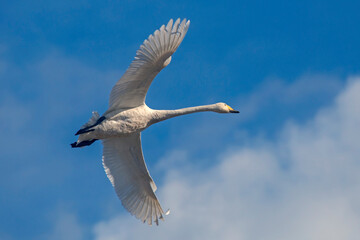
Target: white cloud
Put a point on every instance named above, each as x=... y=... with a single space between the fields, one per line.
x=268 y=107
x=302 y=185
x=38 y=104
x=71 y=85
x=66 y=226
x=274 y=90
x=54 y=94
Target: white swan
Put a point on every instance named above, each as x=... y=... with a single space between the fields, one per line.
x=120 y=126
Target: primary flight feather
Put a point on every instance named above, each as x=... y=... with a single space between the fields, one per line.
x=120 y=126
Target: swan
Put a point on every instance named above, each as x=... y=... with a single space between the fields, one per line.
x=119 y=128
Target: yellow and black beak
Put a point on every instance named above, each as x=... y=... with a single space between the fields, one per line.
x=232 y=110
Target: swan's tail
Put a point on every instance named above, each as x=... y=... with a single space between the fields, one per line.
x=88 y=127
x=93 y=121
x=82 y=143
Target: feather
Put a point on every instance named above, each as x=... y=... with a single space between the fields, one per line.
x=151 y=57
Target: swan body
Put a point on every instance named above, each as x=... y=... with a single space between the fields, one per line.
x=120 y=127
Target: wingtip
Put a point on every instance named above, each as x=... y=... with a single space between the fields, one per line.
x=179 y=19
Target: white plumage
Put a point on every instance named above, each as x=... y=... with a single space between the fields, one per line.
x=125 y=167
x=154 y=54
x=120 y=126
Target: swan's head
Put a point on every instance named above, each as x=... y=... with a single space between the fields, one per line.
x=224 y=108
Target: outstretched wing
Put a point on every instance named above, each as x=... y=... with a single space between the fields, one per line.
x=154 y=54
x=125 y=167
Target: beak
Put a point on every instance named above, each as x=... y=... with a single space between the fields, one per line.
x=232 y=110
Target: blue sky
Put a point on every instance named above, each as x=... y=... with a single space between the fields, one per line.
x=291 y=68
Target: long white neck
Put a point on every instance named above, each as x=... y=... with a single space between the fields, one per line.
x=161 y=115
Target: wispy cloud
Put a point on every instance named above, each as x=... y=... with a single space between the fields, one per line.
x=265 y=183
x=38 y=103
x=304 y=184
x=262 y=112
x=54 y=94
x=66 y=225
